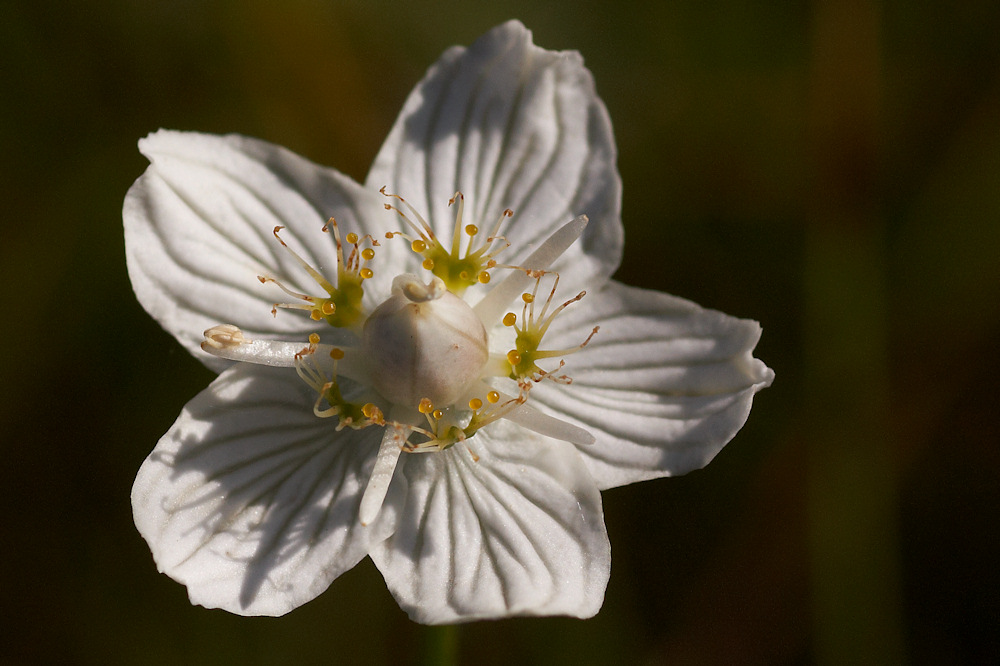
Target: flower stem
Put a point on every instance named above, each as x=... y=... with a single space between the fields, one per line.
x=441 y=645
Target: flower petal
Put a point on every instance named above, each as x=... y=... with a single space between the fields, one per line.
x=663 y=386
x=199 y=230
x=518 y=532
x=251 y=501
x=513 y=126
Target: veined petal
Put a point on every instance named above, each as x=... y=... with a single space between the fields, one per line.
x=663 y=386
x=511 y=125
x=518 y=532
x=199 y=230
x=251 y=501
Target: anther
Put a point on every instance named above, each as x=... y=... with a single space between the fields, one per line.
x=459 y=267
x=509 y=319
x=224 y=336
x=475 y=404
x=347 y=293
x=336 y=353
x=425 y=406
x=314 y=338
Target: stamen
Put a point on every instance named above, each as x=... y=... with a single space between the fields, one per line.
x=224 y=336
x=458 y=269
x=528 y=336
x=497 y=300
x=350 y=415
x=378 y=483
x=229 y=342
x=424 y=231
x=528 y=417
x=457 y=233
x=342 y=307
x=313 y=273
x=484 y=416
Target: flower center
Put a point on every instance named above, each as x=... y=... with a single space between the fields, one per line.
x=423 y=344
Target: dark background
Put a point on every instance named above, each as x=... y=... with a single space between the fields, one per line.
x=831 y=169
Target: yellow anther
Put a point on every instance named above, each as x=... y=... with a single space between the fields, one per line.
x=342 y=305
x=314 y=338
x=370 y=410
x=509 y=319
x=425 y=406
x=493 y=397
x=513 y=357
x=336 y=353
x=438 y=414
x=367 y=254
x=366 y=273
x=459 y=267
x=527 y=298
x=475 y=404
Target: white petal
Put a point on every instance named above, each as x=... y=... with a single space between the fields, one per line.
x=251 y=501
x=663 y=386
x=520 y=532
x=199 y=230
x=513 y=126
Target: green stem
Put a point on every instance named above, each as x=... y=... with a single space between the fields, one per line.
x=441 y=645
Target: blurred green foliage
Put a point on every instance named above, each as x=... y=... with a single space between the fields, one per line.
x=829 y=168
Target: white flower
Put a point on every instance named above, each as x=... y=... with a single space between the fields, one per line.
x=420 y=409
